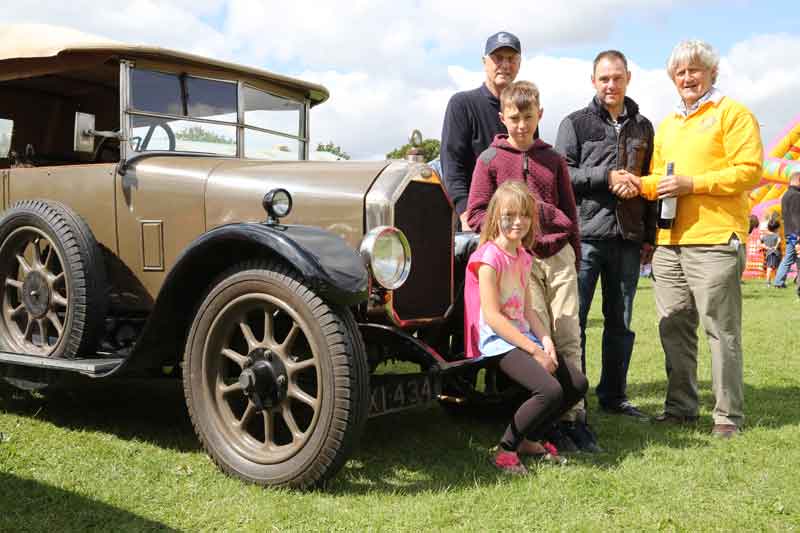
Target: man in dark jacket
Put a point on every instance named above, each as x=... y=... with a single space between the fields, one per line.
x=790 y=209
x=604 y=143
x=472 y=118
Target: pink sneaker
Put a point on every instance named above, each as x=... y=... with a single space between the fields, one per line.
x=509 y=462
x=552 y=454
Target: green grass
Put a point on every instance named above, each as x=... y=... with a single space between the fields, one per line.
x=123 y=457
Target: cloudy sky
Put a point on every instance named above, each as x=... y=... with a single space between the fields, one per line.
x=391 y=66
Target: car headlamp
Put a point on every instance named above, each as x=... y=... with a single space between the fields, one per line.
x=387 y=254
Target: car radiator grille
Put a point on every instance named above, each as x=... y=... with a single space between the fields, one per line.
x=424 y=215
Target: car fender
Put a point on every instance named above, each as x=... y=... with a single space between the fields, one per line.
x=327 y=263
x=325 y=260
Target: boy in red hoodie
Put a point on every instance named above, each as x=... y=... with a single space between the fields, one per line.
x=554 y=278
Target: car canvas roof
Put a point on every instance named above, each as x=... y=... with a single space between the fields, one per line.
x=35 y=49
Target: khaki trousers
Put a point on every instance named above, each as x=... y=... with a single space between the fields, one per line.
x=701 y=284
x=553 y=291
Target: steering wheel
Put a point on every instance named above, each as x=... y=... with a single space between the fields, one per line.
x=149 y=135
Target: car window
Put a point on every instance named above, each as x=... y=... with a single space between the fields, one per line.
x=157 y=92
x=155 y=133
x=6 y=128
x=262 y=145
x=182 y=95
x=270 y=112
x=211 y=99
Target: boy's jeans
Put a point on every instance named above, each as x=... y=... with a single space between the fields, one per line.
x=786 y=263
x=616 y=263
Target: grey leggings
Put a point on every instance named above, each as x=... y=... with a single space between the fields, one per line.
x=551 y=395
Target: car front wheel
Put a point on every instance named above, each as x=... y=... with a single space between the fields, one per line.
x=275 y=378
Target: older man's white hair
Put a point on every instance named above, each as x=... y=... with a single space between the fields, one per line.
x=693 y=51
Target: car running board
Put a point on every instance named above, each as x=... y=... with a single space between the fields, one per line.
x=90 y=367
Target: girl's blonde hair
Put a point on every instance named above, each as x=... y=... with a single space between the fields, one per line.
x=511 y=196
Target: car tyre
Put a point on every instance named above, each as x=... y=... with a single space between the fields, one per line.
x=53 y=289
x=275 y=378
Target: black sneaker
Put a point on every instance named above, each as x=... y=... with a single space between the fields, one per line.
x=676 y=420
x=626 y=408
x=582 y=436
x=560 y=439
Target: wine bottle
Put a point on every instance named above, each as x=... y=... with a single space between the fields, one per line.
x=667 y=207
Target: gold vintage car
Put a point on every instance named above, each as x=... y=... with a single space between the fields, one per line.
x=160 y=215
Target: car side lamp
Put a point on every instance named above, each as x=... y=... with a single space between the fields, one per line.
x=278 y=204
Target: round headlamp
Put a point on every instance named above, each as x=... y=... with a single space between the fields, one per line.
x=277 y=203
x=388 y=256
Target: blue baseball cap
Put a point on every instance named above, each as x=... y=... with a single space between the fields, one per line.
x=502 y=39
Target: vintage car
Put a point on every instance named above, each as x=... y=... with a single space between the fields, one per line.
x=160 y=217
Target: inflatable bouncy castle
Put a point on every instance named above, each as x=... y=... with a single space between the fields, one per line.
x=782 y=159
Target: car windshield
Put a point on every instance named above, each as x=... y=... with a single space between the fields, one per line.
x=178 y=112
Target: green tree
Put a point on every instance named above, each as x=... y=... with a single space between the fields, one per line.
x=429 y=148
x=197 y=133
x=334 y=149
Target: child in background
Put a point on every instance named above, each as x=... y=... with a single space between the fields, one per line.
x=500 y=322
x=771 y=244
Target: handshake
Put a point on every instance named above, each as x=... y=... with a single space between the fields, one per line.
x=624 y=184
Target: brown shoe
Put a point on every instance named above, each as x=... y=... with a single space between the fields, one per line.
x=678 y=420
x=725 y=431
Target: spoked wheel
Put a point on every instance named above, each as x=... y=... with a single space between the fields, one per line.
x=275 y=379
x=51 y=273
x=36 y=298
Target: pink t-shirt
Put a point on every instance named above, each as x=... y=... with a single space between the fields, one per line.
x=512 y=278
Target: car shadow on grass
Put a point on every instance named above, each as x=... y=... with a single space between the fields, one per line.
x=429 y=450
x=153 y=411
x=41 y=507
x=425 y=449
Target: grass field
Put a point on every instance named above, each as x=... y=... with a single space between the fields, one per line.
x=124 y=458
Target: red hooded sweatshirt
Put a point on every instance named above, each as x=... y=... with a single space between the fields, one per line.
x=547 y=176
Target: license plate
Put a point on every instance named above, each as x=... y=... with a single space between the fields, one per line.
x=396 y=392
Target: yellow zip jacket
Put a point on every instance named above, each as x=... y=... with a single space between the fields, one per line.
x=719 y=146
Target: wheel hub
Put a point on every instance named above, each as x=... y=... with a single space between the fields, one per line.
x=36 y=294
x=264 y=380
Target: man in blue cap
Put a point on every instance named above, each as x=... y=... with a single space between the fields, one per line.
x=472 y=118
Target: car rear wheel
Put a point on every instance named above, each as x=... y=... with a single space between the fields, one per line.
x=52 y=282
x=275 y=378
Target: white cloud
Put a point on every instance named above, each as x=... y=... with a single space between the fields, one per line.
x=761 y=72
x=372 y=114
x=386 y=63
x=378 y=36
x=369 y=116
x=176 y=24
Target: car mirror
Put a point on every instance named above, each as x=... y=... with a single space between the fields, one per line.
x=85 y=133
x=84 y=141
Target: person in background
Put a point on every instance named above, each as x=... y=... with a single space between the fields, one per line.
x=617 y=234
x=790 y=210
x=715 y=146
x=471 y=119
x=771 y=244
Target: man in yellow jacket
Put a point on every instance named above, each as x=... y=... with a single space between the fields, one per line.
x=714 y=145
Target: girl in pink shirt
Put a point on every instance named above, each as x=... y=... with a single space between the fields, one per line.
x=500 y=323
